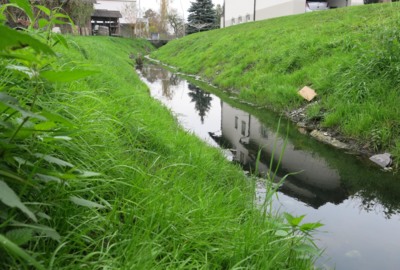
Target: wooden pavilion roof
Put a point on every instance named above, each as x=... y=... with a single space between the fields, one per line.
x=104 y=13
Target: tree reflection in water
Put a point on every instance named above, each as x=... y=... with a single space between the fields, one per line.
x=202 y=100
x=163 y=76
x=174 y=80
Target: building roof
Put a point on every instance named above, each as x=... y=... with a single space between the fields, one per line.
x=104 y=13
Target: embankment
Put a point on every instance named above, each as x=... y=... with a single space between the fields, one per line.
x=350 y=56
x=125 y=187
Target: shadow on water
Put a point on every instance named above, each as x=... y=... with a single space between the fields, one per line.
x=329 y=185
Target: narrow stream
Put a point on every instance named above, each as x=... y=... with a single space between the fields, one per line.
x=358 y=204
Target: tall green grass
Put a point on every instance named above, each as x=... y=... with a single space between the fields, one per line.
x=113 y=180
x=175 y=203
x=350 y=56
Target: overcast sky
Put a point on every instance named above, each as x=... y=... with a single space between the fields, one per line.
x=177 y=4
x=180 y=5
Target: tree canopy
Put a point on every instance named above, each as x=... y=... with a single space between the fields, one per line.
x=176 y=22
x=202 y=16
x=154 y=20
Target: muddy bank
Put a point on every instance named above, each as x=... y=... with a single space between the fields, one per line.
x=312 y=126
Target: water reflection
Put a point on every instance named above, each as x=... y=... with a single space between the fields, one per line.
x=314 y=181
x=201 y=99
x=166 y=78
x=195 y=109
x=358 y=204
x=324 y=175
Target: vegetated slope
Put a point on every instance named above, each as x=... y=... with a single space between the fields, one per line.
x=152 y=196
x=350 y=56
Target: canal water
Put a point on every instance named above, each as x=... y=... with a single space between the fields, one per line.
x=358 y=204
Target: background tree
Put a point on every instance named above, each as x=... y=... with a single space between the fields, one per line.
x=202 y=16
x=163 y=28
x=80 y=12
x=154 y=20
x=129 y=14
x=176 y=22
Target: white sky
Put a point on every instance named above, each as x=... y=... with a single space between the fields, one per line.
x=180 y=5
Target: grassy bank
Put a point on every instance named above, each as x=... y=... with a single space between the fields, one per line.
x=104 y=177
x=350 y=56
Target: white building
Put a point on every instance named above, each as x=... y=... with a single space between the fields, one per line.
x=127 y=8
x=239 y=11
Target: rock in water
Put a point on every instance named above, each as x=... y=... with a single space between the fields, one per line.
x=321 y=136
x=384 y=160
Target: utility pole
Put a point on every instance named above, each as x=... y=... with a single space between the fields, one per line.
x=183 y=14
x=255 y=6
x=164 y=15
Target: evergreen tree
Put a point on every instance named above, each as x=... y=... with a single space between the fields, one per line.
x=202 y=16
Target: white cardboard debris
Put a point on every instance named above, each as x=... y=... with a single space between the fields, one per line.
x=384 y=160
x=307 y=93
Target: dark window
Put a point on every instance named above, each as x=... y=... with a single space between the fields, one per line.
x=264 y=132
x=243 y=128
